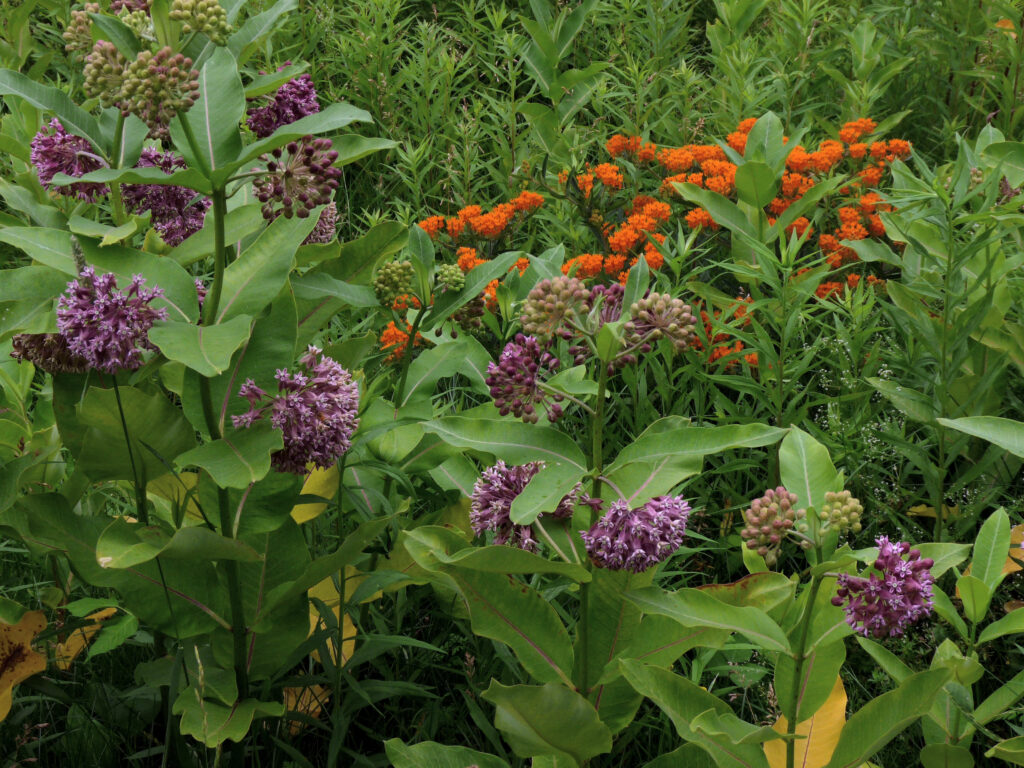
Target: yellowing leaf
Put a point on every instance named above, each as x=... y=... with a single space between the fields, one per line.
x=17 y=659
x=821 y=732
x=68 y=651
x=923 y=510
x=176 y=489
x=1015 y=558
x=319 y=482
x=305 y=701
x=327 y=592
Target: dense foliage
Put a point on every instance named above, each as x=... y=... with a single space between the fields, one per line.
x=615 y=382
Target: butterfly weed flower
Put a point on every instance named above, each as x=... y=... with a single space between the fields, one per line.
x=299 y=178
x=105 y=326
x=659 y=316
x=315 y=408
x=515 y=380
x=53 y=150
x=158 y=86
x=554 y=304
x=177 y=212
x=626 y=539
x=491 y=503
x=896 y=595
x=292 y=101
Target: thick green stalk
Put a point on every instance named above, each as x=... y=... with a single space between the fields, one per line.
x=800 y=657
x=115 y=189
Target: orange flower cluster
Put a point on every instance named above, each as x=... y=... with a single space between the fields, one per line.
x=395 y=339
x=855 y=223
x=835 y=288
x=486 y=224
x=722 y=343
x=631 y=145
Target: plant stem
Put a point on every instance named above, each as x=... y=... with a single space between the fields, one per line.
x=800 y=657
x=407 y=358
x=115 y=189
x=139 y=481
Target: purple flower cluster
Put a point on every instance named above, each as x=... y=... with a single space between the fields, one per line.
x=491 y=503
x=54 y=150
x=514 y=381
x=317 y=410
x=886 y=603
x=177 y=212
x=299 y=181
x=294 y=100
x=627 y=539
x=104 y=326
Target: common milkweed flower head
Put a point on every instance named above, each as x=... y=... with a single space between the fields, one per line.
x=896 y=595
x=292 y=101
x=105 y=326
x=300 y=180
x=553 y=304
x=491 y=503
x=842 y=511
x=768 y=520
x=515 y=380
x=117 y=6
x=393 y=279
x=177 y=212
x=47 y=351
x=205 y=16
x=636 y=539
x=659 y=316
x=78 y=33
x=157 y=86
x=104 y=73
x=53 y=150
x=315 y=408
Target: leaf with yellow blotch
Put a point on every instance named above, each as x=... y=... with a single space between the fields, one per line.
x=17 y=659
x=923 y=510
x=1015 y=558
x=309 y=701
x=327 y=592
x=80 y=637
x=178 y=490
x=319 y=482
x=821 y=732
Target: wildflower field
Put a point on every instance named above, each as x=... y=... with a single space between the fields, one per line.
x=512 y=383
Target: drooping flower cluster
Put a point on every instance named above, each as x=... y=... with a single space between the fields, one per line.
x=316 y=409
x=300 y=181
x=552 y=304
x=491 y=503
x=105 y=326
x=177 y=212
x=659 y=316
x=48 y=352
x=768 y=520
x=205 y=16
x=157 y=86
x=515 y=380
x=54 y=150
x=293 y=100
x=888 y=601
x=627 y=539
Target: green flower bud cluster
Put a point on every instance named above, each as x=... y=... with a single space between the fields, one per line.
x=842 y=512
x=660 y=316
x=104 y=74
x=78 y=34
x=138 y=22
x=768 y=521
x=393 y=279
x=449 y=277
x=205 y=16
x=157 y=86
x=552 y=304
x=977 y=178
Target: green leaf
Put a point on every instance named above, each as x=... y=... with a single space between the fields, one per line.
x=975 y=595
x=890 y=663
x=430 y=754
x=211 y=722
x=214 y=117
x=1006 y=433
x=756 y=184
x=548 y=720
x=695 y=441
x=1010 y=750
x=206 y=349
x=476 y=280
x=243 y=42
x=684 y=702
x=944 y=555
x=817 y=679
x=316 y=287
x=357 y=260
x=1010 y=157
x=113 y=29
x=158 y=432
x=123 y=544
x=513 y=441
x=239 y=224
x=695 y=608
x=807 y=469
x=258 y=275
x=352 y=147
x=764 y=591
x=764 y=145
x=187 y=177
x=464 y=355
x=722 y=209
x=882 y=718
x=331 y=119
x=49 y=99
x=240 y=458
x=991 y=548
x=1011 y=623
x=688 y=755
x=50 y=247
x=914 y=404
